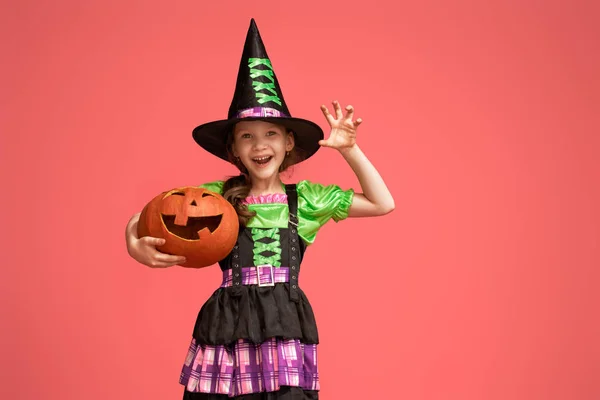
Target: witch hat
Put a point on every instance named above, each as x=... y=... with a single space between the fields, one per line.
x=257 y=96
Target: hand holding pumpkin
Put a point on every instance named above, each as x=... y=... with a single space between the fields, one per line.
x=191 y=222
x=143 y=250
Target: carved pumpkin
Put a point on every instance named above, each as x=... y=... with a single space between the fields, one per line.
x=196 y=223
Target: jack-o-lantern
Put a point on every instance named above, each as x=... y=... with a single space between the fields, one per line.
x=196 y=223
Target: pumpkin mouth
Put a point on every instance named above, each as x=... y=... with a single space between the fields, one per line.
x=194 y=225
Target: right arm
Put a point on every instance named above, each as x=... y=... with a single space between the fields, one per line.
x=143 y=250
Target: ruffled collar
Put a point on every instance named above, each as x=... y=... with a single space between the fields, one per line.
x=280 y=198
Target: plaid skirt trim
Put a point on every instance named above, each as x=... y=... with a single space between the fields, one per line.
x=250 y=368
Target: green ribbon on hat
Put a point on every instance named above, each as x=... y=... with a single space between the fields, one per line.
x=255 y=62
x=258 y=86
x=264 y=86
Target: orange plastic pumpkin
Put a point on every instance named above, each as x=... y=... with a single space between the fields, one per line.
x=196 y=223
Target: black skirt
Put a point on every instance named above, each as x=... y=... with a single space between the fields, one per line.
x=255 y=313
x=285 y=393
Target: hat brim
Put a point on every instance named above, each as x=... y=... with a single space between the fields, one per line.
x=212 y=136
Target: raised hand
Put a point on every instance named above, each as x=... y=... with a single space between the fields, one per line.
x=343 y=129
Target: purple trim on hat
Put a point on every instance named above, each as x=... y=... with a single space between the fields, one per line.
x=260 y=112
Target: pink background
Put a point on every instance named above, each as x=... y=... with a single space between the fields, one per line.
x=481 y=116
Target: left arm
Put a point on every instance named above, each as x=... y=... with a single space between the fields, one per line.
x=376 y=198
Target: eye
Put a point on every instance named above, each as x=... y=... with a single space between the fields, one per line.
x=271 y=133
x=245 y=135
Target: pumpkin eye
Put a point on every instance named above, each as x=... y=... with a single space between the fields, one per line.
x=206 y=195
x=178 y=194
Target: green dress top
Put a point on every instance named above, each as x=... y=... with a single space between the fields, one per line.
x=317 y=204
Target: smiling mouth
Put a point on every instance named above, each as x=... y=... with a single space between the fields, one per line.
x=262 y=160
x=193 y=226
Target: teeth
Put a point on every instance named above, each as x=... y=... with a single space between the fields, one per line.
x=261 y=158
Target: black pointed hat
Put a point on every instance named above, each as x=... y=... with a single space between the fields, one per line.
x=257 y=96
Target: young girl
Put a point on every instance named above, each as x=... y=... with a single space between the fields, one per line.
x=256 y=336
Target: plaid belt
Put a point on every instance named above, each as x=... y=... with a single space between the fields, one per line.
x=261 y=275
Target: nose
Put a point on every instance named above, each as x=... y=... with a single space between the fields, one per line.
x=259 y=144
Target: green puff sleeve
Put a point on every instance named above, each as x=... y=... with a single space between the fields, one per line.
x=317 y=204
x=216 y=186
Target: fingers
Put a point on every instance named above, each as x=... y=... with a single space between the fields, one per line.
x=338 y=113
x=324 y=143
x=350 y=116
x=327 y=115
x=350 y=112
x=170 y=258
x=157 y=259
x=333 y=122
x=152 y=241
x=338 y=109
x=161 y=260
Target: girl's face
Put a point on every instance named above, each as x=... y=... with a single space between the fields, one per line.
x=261 y=147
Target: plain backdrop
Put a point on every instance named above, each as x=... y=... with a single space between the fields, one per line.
x=482 y=117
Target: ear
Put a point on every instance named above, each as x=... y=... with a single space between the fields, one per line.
x=289 y=141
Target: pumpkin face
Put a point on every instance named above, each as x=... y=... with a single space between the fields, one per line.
x=196 y=223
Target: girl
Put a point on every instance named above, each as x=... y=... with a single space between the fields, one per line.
x=256 y=336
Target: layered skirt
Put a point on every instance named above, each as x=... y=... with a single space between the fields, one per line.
x=250 y=368
x=253 y=341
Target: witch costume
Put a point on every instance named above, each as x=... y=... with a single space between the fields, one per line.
x=256 y=336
